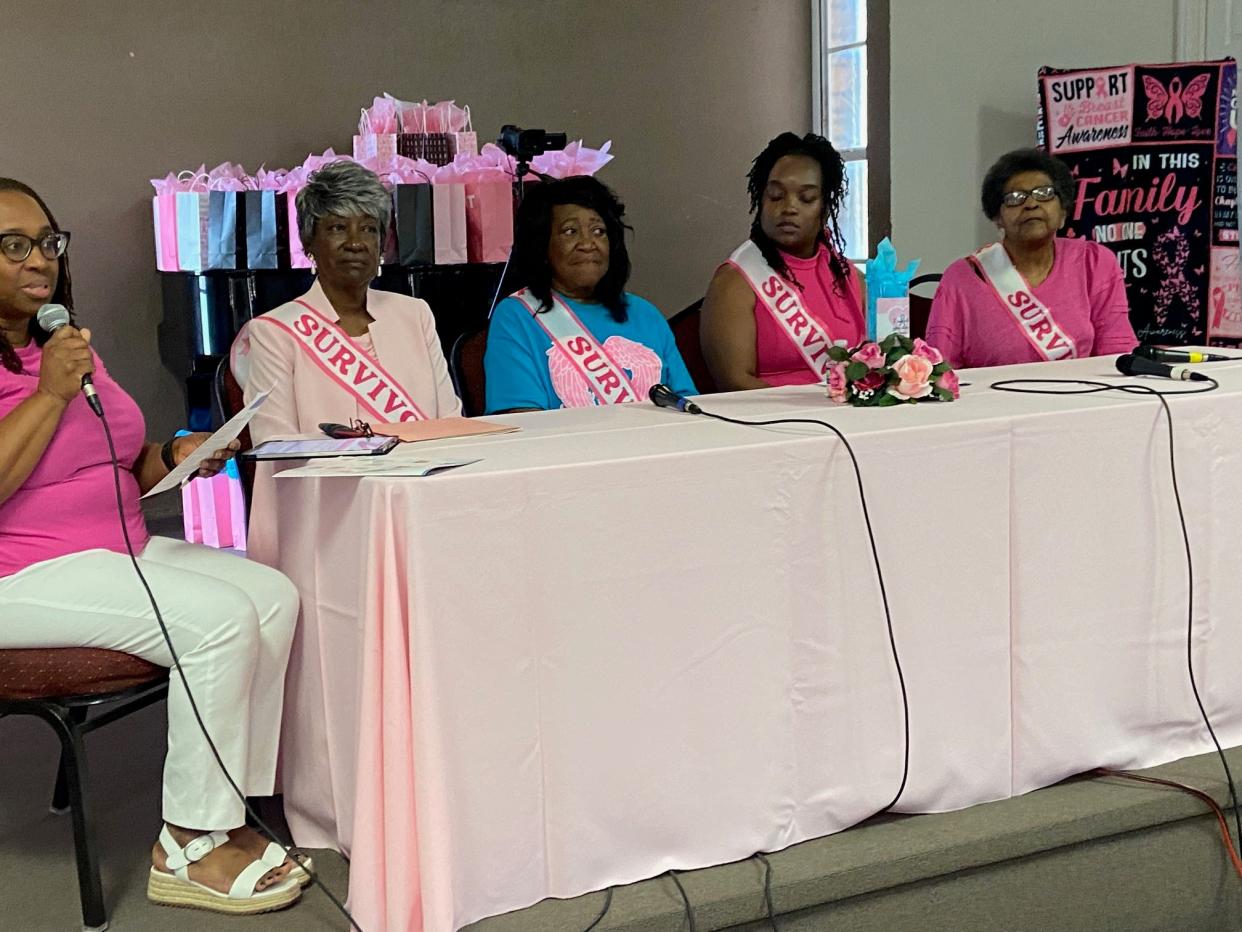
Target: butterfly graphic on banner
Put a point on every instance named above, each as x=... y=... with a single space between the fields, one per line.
x=1176 y=101
x=1120 y=168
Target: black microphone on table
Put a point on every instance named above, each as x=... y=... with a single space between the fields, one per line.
x=1160 y=354
x=664 y=397
x=1132 y=364
x=52 y=317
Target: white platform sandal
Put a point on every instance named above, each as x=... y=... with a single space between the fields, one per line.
x=177 y=889
x=275 y=857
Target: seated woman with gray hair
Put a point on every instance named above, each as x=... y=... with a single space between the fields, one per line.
x=343 y=351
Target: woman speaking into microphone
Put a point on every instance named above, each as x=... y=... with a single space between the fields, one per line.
x=66 y=579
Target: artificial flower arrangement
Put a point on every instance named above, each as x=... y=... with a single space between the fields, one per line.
x=897 y=370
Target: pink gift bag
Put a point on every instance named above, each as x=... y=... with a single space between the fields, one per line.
x=214 y=511
x=164 y=215
x=179 y=212
x=448 y=214
x=291 y=183
x=297 y=255
x=382 y=147
x=489 y=220
x=463 y=143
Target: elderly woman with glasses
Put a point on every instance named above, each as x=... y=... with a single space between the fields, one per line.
x=70 y=520
x=342 y=352
x=1033 y=296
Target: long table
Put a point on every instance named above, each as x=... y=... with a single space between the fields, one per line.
x=628 y=640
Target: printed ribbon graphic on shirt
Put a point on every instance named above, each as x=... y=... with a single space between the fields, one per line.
x=784 y=303
x=1028 y=312
x=602 y=373
x=346 y=363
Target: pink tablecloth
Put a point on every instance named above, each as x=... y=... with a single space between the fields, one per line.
x=629 y=640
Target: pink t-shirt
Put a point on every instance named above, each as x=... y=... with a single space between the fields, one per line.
x=68 y=503
x=1084 y=291
x=840 y=314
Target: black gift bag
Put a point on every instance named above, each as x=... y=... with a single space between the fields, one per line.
x=267 y=229
x=414 y=222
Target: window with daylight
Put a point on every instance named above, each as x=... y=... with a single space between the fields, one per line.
x=850 y=97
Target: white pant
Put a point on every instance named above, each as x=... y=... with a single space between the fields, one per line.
x=231 y=621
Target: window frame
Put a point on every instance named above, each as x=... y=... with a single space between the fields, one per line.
x=877 y=151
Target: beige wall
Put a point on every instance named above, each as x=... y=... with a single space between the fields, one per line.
x=963 y=92
x=112 y=94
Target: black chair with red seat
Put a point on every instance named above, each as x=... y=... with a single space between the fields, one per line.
x=920 y=304
x=685 y=327
x=230 y=399
x=466 y=370
x=61 y=686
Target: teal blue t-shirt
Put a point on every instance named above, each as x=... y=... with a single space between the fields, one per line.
x=524 y=370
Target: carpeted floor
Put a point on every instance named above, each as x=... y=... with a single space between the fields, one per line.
x=37 y=873
x=38 y=878
x=36 y=848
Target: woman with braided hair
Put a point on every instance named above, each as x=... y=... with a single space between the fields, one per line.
x=787 y=293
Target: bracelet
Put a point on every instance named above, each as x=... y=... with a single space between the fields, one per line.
x=166 y=454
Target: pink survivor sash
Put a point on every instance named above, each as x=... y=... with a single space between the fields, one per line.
x=607 y=379
x=1018 y=298
x=785 y=305
x=347 y=364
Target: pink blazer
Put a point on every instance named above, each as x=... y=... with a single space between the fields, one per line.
x=303 y=396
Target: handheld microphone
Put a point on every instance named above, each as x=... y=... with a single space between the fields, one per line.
x=1129 y=364
x=1159 y=354
x=664 y=397
x=52 y=317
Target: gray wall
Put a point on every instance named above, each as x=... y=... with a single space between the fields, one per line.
x=963 y=92
x=112 y=94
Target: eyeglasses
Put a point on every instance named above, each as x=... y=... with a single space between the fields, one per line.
x=356 y=428
x=1044 y=193
x=17 y=247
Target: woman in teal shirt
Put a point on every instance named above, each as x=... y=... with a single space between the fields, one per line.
x=572 y=336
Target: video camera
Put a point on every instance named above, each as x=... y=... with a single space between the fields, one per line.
x=525 y=144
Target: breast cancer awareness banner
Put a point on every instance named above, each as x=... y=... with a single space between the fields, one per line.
x=1153 y=153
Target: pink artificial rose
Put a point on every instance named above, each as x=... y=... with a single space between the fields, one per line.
x=915 y=374
x=870 y=355
x=927 y=351
x=949 y=383
x=837 y=383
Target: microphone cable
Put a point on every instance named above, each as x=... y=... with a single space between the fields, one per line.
x=603 y=911
x=1088 y=387
x=176 y=665
x=879 y=574
x=500 y=283
x=686 y=900
x=767 y=889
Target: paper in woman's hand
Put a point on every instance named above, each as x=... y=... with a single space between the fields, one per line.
x=217 y=441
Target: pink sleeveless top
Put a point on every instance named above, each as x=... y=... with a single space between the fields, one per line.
x=840 y=314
